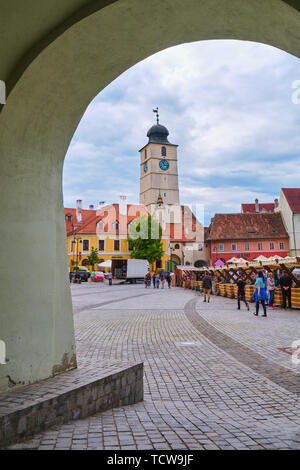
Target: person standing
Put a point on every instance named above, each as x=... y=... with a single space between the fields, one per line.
x=241 y=293
x=286 y=287
x=162 y=280
x=265 y=275
x=270 y=290
x=157 y=280
x=153 y=280
x=206 y=285
x=169 y=280
x=109 y=276
x=260 y=294
x=147 y=280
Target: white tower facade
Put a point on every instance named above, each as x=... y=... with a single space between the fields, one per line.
x=158 y=169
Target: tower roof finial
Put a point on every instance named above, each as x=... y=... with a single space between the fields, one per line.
x=157 y=115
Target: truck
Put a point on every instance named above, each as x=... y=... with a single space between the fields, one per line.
x=130 y=270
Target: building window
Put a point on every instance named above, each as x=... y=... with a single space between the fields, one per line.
x=177 y=246
x=73 y=245
x=145 y=154
x=116 y=245
x=271 y=246
x=260 y=247
x=163 y=151
x=221 y=247
x=130 y=245
x=85 y=245
x=233 y=247
x=116 y=225
x=101 y=245
x=69 y=218
x=101 y=225
x=247 y=247
x=281 y=245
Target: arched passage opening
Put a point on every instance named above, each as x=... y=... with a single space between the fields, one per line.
x=50 y=85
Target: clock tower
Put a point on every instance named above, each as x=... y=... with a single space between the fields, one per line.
x=158 y=169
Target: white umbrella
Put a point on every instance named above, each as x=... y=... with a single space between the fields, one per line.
x=105 y=264
x=261 y=258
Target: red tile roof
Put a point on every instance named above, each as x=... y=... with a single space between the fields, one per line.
x=247 y=226
x=292 y=196
x=108 y=214
x=269 y=207
x=85 y=215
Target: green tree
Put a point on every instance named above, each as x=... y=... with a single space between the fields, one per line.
x=93 y=258
x=145 y=238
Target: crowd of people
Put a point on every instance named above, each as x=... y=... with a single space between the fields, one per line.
x=265 y=286
x=158 y=279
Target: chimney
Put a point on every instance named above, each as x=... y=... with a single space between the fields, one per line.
x=79 y=210
x=123 y=205
x=256 y=205
x=91 y=207
x=276 y=203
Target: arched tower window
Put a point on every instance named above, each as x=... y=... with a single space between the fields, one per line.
x=163 y=151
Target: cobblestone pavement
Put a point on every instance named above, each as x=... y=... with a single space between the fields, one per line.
x=198 y=393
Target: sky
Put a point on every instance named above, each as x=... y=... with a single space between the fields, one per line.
x=227 y=104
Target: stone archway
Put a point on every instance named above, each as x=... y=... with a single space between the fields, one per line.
x=63 y=55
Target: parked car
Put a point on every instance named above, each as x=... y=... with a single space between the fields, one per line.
x=98 y=276
x=82 y=274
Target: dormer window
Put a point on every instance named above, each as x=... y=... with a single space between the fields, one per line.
x=101 y=225
x=116 y=225
x=69 y=218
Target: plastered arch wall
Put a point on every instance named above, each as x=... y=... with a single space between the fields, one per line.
x=48 y=94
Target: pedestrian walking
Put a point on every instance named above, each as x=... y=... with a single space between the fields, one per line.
x=241 y=293
x=157 y=280
x=153 y=280
x=169 y=280
x=260 y=294
x=270 y=290
x=286 y=287
x=109 y=276
x=162 y=280
x=147 y=280
x=206 y=285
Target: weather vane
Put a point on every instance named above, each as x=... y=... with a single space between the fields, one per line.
x=157 y=115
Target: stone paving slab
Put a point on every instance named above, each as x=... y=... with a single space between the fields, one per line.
x=196 y=394
x=72 y=395
x=287 y=379
x=263 y=335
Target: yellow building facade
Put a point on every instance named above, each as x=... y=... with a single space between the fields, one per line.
x=105 y=230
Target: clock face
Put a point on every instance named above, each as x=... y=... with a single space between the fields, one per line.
x=164 y=165
x=146 y=167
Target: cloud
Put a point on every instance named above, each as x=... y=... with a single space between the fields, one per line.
x=228 y=106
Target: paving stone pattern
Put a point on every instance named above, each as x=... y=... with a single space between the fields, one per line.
x=198 y=392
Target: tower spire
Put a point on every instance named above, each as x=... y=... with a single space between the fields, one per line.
x=157 y=115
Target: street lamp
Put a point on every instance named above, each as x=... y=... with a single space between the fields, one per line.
x=76 y=241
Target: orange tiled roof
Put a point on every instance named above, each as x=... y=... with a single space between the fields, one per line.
x=247 y=226
x=268 y=207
